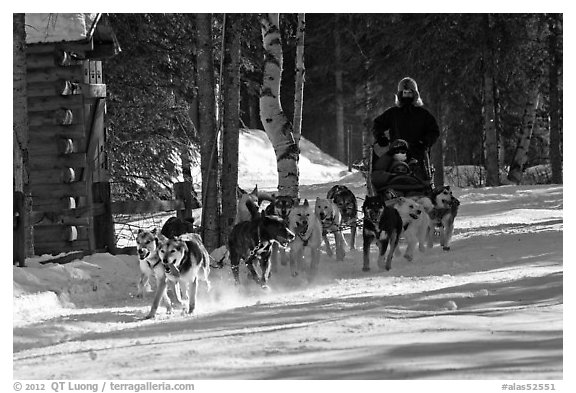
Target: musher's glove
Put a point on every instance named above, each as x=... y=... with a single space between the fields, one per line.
x=382 y=140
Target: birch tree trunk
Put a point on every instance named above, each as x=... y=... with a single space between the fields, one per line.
x=491 y=155
x=554 y=26
x=338 y=72
x=231 y=118
x=208 y=133
x=300 y=73
x=521 y=153
x=276 y=124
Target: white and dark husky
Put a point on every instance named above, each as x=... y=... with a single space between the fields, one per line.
x=147 y=244
x=184 y=260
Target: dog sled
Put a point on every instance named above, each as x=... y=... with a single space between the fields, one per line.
x=403 y=179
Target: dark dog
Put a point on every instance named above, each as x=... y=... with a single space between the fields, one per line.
x=185 y=260
x=280 y=206
x=442 y=215
x=383 y=225
x=176 y=226
x=253 y=239
x=346 y=202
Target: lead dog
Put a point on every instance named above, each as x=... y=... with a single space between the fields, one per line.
x=308 y=230
x=331 y=221
x=381 y=224
x=346 y=202
x=251 y=240
x=184 y=260
x=150 y=264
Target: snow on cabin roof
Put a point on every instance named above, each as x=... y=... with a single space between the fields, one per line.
x=45 y=28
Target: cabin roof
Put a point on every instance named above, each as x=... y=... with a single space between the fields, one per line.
x=78 y=28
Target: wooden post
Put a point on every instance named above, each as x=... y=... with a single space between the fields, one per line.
x=104 y=234
x=184 y=191
x=19 y=230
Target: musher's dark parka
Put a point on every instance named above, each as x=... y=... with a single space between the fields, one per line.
x=407 y=120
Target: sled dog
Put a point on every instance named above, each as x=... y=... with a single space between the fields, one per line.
x=147 y=245
x=176 y=226
x=331 y=220
x=247 y=206
x=184 y=260
x=250 y=240
x=381 y=224
x=308 y=236
x=415 y=223
x=348 y=206
x=280 y=206
x=442 y=214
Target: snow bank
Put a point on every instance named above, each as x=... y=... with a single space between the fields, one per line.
x=43 y=291
x=257 y=163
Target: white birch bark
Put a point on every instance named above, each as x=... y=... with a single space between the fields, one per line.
x=276 y=124
x=300 y=72
x=521 y=154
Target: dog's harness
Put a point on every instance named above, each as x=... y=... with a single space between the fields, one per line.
x=376 y=223
x=260 y=248
x=328 y=223
x=437 y=213
x=307 y=235
x=152 y=266
x=147 y=259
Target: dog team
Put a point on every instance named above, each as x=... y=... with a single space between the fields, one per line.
x=177 y=258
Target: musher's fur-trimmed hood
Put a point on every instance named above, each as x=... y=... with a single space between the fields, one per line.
x=408 y=83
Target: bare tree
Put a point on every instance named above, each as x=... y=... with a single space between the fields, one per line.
x=437 y=150
x=491 y=139
x=208 y=132
x=231 y=107
x=338 y=73
x=276 y=124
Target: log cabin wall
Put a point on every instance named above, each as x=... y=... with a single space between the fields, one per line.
x=66 y=106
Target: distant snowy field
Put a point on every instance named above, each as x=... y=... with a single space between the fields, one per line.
x=491 y=308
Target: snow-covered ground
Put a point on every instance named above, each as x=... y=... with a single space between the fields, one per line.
x=491 y=308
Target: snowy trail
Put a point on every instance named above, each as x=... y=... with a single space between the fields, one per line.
x=491 y=308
